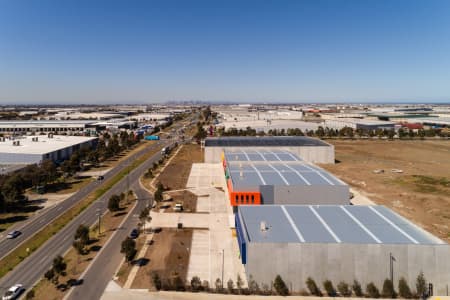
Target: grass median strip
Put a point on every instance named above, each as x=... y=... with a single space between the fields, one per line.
x=32 y=244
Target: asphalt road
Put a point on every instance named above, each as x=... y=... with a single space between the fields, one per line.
x=29 y=271
x=41 y=219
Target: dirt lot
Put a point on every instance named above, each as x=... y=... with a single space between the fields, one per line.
x=168 y=256
x=176 y=174
x=188 y=199
x=421 y=193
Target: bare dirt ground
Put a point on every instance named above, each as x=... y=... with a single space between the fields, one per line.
x=421 y=193
x=186 y=198
x=176 y=174
x=168 y=256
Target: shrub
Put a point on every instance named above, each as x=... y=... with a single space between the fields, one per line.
x=312 y=287
x=239 y=283
x=114 y=203
x=156 y=281
x=230 y=286
x=49 y=275
x=388 y=289
x=344 y=289
x=372 y=291
x=357 y=289
x=421 y=285
x=329 y=288
x=178 y=284
x=30 y=295
x=218 y=285
x=280 y=286
x=403 y=289
x=196 y=284
x=205 y=285
x=253 y=286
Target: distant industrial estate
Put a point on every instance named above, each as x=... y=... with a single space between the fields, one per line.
x=246 y=190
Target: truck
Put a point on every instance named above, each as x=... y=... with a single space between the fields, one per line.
x=152 y=138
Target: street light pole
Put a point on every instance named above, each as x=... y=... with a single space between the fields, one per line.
x=391 y=266
x=223 y=264
x=99 y=217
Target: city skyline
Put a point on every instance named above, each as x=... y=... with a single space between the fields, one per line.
x=114 y=52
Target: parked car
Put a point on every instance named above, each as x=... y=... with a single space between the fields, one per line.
x=13 y=234
x=100 y=178
x=134 y=233
x=13 y=292
x=178 y=207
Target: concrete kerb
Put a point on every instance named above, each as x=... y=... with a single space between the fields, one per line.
x=101 y=250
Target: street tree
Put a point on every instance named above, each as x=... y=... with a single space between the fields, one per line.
x=128 y=248
x=114 y=203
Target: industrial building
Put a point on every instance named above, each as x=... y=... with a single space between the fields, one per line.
x=309 y=149
x=32 y=127
x=35 y=149
x=279 y=177
x=367 y=124
x=338 y=243
x=267 y=125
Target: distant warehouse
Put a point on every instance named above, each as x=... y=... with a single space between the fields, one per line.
x=35 y=149
x=339 y=123
x=337 y=243
x=279 y=177
x=309 y=149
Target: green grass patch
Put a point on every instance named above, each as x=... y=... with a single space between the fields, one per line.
x=425 y=184
x=28 y=247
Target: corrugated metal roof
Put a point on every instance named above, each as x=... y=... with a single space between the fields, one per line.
x=330 y=224
x=246 y=174
x=263 y=141
x=260 y=155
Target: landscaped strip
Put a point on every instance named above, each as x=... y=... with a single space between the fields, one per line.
x=28 y=247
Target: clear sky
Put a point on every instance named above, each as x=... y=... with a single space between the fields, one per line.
x=86 y=51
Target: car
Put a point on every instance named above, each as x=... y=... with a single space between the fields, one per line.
x=13 y=292
x=100 y=178
x=178 y=207
x=134 y=233
x=13 y=234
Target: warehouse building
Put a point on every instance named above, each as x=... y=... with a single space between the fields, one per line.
x=338 y=243
x=366 y=124
x=35 y=149
x=309 y=149
x=44 y=126
x=279 y=177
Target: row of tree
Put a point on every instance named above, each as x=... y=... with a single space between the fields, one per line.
x=279 y=287
x=325 y=132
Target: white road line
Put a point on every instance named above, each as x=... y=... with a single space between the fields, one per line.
x=394 y=225
x=279 y=173
x=373 y=236
x=298 y=173
x=297 y=232
x=259 y=174
x=336 y=238
x=320 y=174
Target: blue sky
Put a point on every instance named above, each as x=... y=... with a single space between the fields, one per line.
x=266 y=51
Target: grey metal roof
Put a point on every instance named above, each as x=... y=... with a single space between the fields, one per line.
x=260 y=155
x=263 y=141
x=330 y=224
x=245 y=175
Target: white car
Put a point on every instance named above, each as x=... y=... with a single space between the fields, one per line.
x=13 y=292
